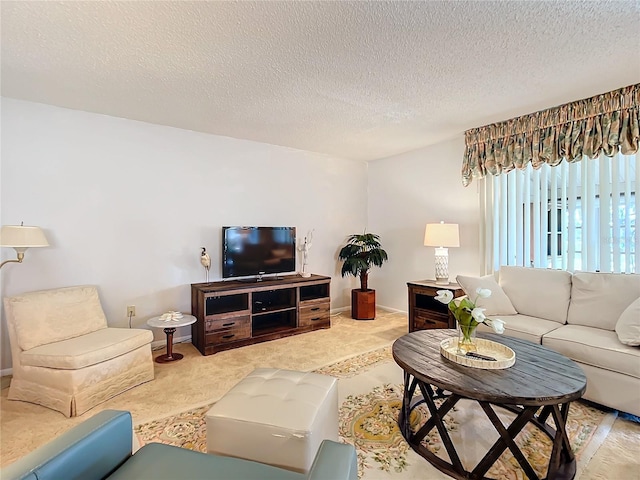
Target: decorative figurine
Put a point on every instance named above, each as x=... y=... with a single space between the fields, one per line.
x=304 y=247
x=205 y=260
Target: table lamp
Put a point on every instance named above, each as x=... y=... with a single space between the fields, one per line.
x=21 y=237
x=442 y=235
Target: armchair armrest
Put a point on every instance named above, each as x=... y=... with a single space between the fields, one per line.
x=91 y=450
x=334 y=461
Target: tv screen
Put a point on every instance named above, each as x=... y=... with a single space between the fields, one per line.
x=250 y=251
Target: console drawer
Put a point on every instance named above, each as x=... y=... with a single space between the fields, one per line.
x=314 y=314
x=226 y=330
x=229 y=335
x=226 y=323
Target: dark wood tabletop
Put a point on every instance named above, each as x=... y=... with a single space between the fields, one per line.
x=540 y=376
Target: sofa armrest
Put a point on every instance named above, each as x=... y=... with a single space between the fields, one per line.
x=91 y=450
x=334 y=461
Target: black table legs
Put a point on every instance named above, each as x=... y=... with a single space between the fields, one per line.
x=562 y=464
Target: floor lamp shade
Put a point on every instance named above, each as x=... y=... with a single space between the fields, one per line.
x=21 y=237
x=442 y=235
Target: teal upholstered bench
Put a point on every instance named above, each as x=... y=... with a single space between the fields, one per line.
x=101 y=447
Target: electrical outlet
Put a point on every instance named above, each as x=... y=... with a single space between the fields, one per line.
x=131 y=311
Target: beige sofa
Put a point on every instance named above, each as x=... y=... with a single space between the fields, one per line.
x=584 y=316
x=65 y=357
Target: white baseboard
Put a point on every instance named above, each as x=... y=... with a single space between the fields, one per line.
x=158 y=344
x=6 y=371
x=340 y=309
x=392 y=310
x=381 y=307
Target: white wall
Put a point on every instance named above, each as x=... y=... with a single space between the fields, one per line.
x=127 y=205
x=405 y=193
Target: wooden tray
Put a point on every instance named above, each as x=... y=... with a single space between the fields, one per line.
x=505 y=357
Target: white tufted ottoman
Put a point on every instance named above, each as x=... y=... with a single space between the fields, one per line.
x=278 y=417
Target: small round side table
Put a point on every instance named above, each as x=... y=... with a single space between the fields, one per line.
x=169 y=327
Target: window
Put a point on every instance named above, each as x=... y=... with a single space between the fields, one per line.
x=575 y=216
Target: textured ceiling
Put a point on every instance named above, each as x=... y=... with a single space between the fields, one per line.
x=361 y=80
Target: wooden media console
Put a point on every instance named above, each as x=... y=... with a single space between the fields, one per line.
x=235 y=313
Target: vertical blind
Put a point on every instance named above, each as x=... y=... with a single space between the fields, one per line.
x=573 y=216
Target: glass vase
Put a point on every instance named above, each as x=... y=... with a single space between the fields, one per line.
x=467 y=338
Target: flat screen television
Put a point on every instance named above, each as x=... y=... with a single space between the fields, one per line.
x=257 y=251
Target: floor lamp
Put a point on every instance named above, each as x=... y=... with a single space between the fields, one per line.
x=21 y=237
x=442 y=235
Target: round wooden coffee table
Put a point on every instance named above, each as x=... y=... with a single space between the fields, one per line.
x=541 y=384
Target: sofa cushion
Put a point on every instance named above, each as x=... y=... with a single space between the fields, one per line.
x=595 y=347
x=90 y=349
x=598 y=299
x=497 y=304
x=537 y=292
x=628 y=325
x=50 y=316
x=525 y=327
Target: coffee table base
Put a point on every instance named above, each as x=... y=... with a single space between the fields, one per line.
x=562 y=464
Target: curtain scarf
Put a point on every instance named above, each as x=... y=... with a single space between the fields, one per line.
x=602 y=124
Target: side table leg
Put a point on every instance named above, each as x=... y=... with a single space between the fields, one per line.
x=169 y=356
x=169 y=332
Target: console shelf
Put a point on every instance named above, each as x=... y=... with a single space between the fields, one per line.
x=232 y=314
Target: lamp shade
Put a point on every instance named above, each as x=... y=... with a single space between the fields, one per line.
x=441 y=235
x=20 y=236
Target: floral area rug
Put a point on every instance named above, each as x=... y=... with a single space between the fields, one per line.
x=370 y=389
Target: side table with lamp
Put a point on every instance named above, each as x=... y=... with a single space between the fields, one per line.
x=169 y=322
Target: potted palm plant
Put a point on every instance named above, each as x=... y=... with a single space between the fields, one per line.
x=360 y=254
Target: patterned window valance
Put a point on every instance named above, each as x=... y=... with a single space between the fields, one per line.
x=602 y=124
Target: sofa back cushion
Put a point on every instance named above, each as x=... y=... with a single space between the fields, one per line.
x=49 y=316
x=537 y=292
x=598 y=299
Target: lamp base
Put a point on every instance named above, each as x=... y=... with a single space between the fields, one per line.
x=442 y=266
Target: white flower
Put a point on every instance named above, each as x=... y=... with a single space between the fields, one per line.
x=483 y=292
x=478 y=315
x=496 y=324
x=444 y=296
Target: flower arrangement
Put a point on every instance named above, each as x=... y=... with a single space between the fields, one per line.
x=469 y=316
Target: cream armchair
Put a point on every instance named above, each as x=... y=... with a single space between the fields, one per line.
x=65 y=357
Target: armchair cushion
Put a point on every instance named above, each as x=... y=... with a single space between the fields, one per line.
x=90 y=349
x=49 y=316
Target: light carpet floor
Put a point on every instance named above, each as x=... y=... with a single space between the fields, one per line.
x=198 y=380
x=370 y=398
